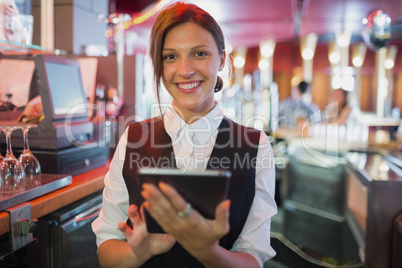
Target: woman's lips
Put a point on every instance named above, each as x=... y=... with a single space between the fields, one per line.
x=188 y=87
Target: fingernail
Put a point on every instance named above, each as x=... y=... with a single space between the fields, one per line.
x=145 y=194
x=162 y=186
x=146 y=204
x=122 y=226
x=226 y=204
x=133 y=207
x=146 y=186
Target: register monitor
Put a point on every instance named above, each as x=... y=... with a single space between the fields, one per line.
x=61 y=88
x=64 y=103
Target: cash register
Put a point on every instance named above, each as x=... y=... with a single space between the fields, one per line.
x=63 y=141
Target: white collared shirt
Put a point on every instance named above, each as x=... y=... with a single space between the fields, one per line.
x=192 y=146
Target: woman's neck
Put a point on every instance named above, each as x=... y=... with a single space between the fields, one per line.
x=190 y=116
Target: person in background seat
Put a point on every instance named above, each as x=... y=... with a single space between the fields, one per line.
x=295 y=110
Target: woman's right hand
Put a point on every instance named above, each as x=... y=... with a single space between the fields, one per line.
x=143 y=244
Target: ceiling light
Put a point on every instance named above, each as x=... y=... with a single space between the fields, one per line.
x=343 y=39
x=263 y=65
x=389 y=64
x=307 y=54
x=267 y=51
x=357 y=62
x=307 y=46
x=334 y=58
x=267 y=48
x=390 y=57
x=239 y=62
x=358 y=54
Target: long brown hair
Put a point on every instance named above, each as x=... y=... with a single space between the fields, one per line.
x=172 y=16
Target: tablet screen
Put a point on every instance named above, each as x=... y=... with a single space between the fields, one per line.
x=203 y=190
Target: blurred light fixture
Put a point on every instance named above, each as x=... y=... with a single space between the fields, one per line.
x=357 y=62
x=308 y=45
x=358 y=54
x=307 y=54
x=336 y=82
x=267 y=48
x=228 y=48
x=95 y=50
x=390 y=57
x=295 y=81
x=337 y=71
x=140 y=18
x=239 y=62
x=348 y=82
x=334 y=52
x=377 y=30
x=383 y=89
x=348 y=71
x=307 y=49
x=231 y=113
x=239 y=57
x=389 y=64
x=263 y=65
x=248 y=82
x=334 y=58
x=343 y=39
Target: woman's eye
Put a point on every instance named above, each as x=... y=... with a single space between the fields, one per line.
x=201 y=54
x=168 y=57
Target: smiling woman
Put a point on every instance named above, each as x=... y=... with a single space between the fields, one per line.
x=188 y=50
x=190 y=69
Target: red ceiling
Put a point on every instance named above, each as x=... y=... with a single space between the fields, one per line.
x=247 y=22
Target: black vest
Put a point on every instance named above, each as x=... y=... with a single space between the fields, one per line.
x=148 y=143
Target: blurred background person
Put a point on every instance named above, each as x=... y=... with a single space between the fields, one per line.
x=7 y=7
x=295 y=110
x=339 y=109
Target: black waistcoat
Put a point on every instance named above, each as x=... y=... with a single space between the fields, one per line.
x=149 y=145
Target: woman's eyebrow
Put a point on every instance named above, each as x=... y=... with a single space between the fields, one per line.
x=193 y=48
x=200 y=46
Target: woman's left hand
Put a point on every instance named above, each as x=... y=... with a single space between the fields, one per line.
x=195 y=233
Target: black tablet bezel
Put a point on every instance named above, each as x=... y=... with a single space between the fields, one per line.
x=203 y=190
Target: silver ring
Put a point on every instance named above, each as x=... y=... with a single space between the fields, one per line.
x=185 y=213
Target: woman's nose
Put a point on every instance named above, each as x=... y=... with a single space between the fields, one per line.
x=186 y=69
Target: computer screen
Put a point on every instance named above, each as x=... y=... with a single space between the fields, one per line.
x=61 y=87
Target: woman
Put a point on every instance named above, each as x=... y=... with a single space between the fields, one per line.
x=340 y=110
x=187 y=49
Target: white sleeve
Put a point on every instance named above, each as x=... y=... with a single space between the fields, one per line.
x=255 y=236
x=115 y=198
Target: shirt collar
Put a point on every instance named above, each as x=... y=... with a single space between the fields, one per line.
x=203 y=128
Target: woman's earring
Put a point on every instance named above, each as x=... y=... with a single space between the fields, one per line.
x=219 y=85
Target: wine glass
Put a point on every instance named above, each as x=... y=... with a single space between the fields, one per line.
x=11 y=171
x=29 y=162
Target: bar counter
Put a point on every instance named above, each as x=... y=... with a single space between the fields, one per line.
x=374 y=203
x=82 y=185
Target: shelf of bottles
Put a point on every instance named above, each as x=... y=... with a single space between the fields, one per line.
x=14 y=48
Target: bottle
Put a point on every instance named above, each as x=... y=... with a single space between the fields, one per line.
x=100 y=116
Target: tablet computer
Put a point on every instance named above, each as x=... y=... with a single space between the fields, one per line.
x=203 y=190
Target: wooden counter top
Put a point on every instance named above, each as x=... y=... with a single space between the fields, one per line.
x=82 y=185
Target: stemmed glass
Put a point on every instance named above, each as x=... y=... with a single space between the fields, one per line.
x=11 y=171
x=29 y=162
